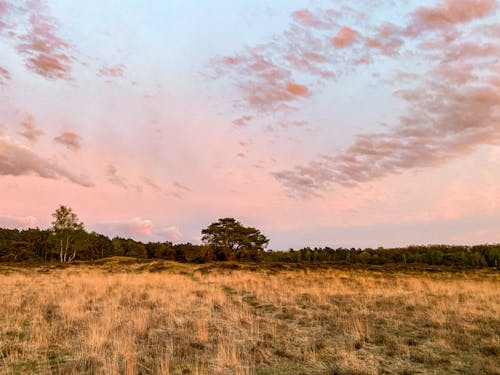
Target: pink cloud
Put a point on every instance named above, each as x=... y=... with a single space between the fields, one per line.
x=231 y=60
x=115 y=71
x=168 y=233
x=449 y=13
x=388 y=30
x=345 y=37
x=445 y=123
x=264 y=74
x=387 y=40
x=54 y=66
x=179 y=186
x=176 y=189
x=243 y=120
x=320 y=19
x=314 y=56
x=70 y=140
x=46 y=53
x=133 y=228
x=488 y=30
x=4 y=76
x=385 y=47
x=296 y=89
x=114 y=178
x=138 y=228
x=17 y=222
x=305 y=17
x=306 y=52
x=3 y=11
x=30 y=132
x=461 y=73
x=453 y=111
x=469 y=50
x=265 y=85
x=364 y=59
x=150 y=183
x=17 y=159
x=450 y=115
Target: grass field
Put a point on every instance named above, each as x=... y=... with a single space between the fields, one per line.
x=168 y=318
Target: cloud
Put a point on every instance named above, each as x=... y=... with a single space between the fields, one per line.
x=306 y=52
x=46 y=53
x=17 y=222
x=444 y=123
x=448 y=13
x=321 y=19
x=387 y=40
x=305 y=17
x=345 y=37
x=3 y=11
x=452 y=105
x=453 y=108
x=114 y=178
x=265 y=85
x=180 y=186
x=467 y=50
x=243 y=120
x=4 y=76
x=168 y=233
x=262 y=82
x=132 y=228
x=151 y=184
x=30 y=132
x=70 y=140
x=114 y=71
x=460 y=74
x=137 y=228
x=488 y=30
x=17 y=159
x=261 y=74
x=266 y=76
x=297 y=89
x=176 y=189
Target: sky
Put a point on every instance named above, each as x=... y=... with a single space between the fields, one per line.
x=321 y=123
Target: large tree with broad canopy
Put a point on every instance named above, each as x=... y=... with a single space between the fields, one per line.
x=229 y=239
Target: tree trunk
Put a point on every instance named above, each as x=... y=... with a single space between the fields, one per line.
x=64 y=256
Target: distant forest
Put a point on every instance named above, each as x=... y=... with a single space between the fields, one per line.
x=37 y=245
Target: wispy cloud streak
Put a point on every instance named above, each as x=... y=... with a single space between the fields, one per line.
x=70 y=140
x=30 y=131
x=17 y=159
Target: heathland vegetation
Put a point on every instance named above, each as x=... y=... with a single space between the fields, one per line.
x=227 y=239
x=74 y=302
x=120 y=316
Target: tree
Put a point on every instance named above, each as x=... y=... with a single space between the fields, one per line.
x=228 y=239
x=64 y=227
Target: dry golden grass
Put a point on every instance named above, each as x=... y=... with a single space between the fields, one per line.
x=92 y=321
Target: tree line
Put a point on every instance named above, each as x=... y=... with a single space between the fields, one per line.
x=227 y=239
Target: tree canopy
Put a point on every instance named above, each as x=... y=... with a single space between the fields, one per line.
x=64 y=226
x=229 y=239
x=65 y=219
